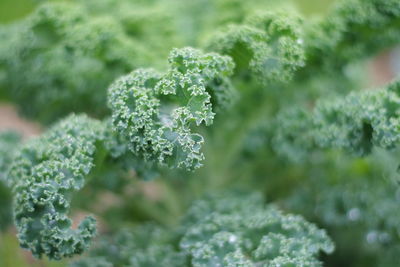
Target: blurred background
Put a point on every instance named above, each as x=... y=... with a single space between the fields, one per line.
x=381 y=69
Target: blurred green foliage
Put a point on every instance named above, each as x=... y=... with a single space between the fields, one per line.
x=14 y=9
x=268 y=134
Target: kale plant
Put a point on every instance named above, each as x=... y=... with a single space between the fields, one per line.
x=201 y=133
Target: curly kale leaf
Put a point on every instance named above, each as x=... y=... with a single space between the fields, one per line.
x=240 y=231
x=354 y=29
x=279 y=46
x=267 y=46
x=359 y=210
x=60 y=59
x=156 y=113
x=48 y=170
x=357 y=123
x=229 y=230
x=151 y=23
x=45 y=173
